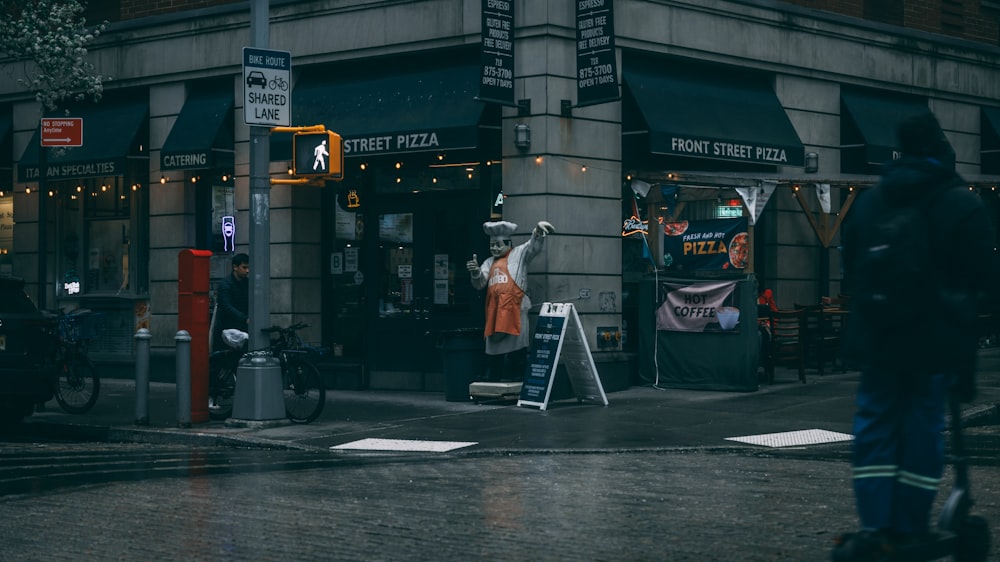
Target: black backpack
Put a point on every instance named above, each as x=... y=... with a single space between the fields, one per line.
x=894 y=276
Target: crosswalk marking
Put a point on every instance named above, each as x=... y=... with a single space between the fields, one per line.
x=794 y=438
x=409 y=445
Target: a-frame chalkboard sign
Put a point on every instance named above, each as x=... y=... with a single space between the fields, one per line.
x=559 y=336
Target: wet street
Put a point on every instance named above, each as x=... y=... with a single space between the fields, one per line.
x=85 y=501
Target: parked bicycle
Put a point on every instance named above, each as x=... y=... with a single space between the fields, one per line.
x=77 y=385
x=302 y=385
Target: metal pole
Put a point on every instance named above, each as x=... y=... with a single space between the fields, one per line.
x=142 y=338
x=260 y=200
x=183 y=377
x=43 y=222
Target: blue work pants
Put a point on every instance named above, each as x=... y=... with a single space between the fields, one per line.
x=898 y=449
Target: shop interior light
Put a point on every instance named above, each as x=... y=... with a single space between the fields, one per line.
x=440 y=157
x=79 y=188
x=27 y=190
x=2 y=193
x=225 y=177
x=194 y=179
x=434 y=180
x=104 y=187
x=51 y=193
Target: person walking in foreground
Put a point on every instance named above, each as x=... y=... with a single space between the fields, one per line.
x=918 y=256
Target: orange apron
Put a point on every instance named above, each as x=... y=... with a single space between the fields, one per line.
x=503 y=301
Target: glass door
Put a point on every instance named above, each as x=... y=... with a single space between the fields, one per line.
x=422 y=287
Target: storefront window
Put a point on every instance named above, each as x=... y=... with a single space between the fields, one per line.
x=6 y=235
x=95 y=237
x=223 y=230
x=395 y=233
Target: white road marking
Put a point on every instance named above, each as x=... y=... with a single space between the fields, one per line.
x=794 y=438
x=410 y=445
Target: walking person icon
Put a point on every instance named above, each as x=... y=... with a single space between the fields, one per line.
x=320 y=153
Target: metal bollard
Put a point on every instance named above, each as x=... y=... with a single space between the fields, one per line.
x=142 y=338
x=183 y=377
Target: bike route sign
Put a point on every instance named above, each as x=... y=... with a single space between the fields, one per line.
x=267 y=82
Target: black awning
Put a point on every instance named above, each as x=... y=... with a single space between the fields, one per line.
x=202 y=136
x=702 y=112
x=403 y=111
x=110 y=137
x=868 y=126
x=990 y=140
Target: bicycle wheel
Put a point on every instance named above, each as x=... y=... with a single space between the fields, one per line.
x=222 y=393
x=303 y=391
x=78 y=385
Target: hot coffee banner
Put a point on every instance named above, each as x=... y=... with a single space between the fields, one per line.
x=706 y=244
x=698 y=307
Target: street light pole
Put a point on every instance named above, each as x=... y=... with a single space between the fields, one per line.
x=258 y=397
x=260 y=199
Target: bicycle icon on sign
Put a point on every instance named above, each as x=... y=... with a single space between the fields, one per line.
x=278 y=83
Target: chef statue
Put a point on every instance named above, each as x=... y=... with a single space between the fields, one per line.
x=504 y=276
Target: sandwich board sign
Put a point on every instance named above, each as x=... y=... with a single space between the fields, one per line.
x=559 y=336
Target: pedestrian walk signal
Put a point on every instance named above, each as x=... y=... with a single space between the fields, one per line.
x=318 y=155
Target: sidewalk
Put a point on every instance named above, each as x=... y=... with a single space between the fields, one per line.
x=639 y=417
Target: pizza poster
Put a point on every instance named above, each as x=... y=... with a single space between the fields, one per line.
x=706 y=244
x=698 y=307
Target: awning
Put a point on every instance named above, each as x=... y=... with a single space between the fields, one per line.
x=868 y=126
x=703 y=112
x=990 y=140
x=402 y=112
x=202 y=136
x=110 y=132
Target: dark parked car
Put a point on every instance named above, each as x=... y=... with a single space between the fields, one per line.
x=28 y=341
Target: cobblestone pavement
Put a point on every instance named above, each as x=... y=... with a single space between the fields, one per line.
x=681 y=505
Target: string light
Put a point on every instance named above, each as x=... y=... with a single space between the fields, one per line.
x=163 y=180
x=538 y=159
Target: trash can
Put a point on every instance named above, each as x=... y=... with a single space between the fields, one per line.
x=463 y=354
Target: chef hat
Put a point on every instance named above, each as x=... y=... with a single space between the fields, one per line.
x=500 y=230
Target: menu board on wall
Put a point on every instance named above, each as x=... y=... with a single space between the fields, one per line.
x=496 y=81
x=559 y=335
x=596 y=66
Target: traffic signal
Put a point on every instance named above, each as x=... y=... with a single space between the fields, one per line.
x=318 y=155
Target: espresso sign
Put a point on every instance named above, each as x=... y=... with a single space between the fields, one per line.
x=496 y=82
x=596 y=67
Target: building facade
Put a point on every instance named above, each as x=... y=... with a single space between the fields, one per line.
x=781 y=111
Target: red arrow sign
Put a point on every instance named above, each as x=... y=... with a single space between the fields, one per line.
x=63 y=131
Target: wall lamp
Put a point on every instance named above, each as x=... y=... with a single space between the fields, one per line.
x=522 y=136
x=812 y=163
